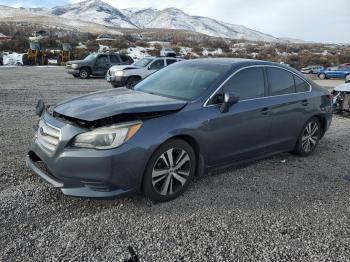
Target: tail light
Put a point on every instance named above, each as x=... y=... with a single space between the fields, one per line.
x=329 y=96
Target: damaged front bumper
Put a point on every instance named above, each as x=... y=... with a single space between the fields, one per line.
x=85 y=172
x=116 y=80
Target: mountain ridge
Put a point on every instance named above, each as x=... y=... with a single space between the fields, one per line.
x=103 y=14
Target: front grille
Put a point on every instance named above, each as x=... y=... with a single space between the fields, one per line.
x=68 y=66
x=48 y=136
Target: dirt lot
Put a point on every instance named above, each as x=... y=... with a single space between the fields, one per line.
x=282 y=208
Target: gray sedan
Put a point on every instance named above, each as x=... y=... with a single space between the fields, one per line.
x=182 y=121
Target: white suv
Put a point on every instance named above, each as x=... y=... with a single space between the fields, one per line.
x=130 y=75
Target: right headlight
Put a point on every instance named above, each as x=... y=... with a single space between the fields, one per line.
x=107 y=137
x=75 y=66
x=119 y=73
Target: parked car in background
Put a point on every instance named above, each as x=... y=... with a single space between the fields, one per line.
x=312 y=69
x=130 y=75
x=184 y=120
x=341 y=98
x=169 y=52
x=96 y=64
x=335 y=72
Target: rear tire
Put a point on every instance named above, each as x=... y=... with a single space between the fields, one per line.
x=308 y=138
x=169 y=171
x=84 y=73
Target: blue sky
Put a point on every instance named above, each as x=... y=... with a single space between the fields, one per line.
x=312 y=20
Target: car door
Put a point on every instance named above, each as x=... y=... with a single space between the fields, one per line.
x=242 y=132
x=156 y=65
x=333 y=72
x=102 y=65
x=288 y=102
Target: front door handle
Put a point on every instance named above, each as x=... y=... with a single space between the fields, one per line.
x=265 y=111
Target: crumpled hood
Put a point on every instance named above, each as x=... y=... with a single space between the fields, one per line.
x=343 y=88
x=113 y=102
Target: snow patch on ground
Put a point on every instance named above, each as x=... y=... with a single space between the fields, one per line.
x=12 y=59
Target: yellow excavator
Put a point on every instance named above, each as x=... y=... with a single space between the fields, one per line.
x=35 y=54
x=65 y=54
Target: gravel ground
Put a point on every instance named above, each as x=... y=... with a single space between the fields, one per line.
x=283 y=208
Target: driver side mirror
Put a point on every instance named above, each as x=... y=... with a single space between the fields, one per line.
x=229 y=100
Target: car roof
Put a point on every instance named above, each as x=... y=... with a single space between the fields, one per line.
x=235 y=62
x=161 y=57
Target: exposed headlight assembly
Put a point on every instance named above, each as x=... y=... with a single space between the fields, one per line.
x=107 y=137
x=119 y=73
x=75 y=66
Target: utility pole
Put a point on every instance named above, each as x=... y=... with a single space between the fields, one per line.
x=286 y=53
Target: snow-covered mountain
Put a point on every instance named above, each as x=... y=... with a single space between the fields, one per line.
x=96 y=15
x=99 y=12
x=95 y=11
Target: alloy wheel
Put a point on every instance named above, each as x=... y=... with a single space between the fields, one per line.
x=171 y=171
x=310 y=136
x=84 y=74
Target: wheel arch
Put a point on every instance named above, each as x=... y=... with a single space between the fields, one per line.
x=135 y=76
x=200 y=167
x=323 y=123
x=86 y=67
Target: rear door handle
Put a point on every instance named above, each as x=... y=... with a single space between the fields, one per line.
x=305 y=102
x=265 y=111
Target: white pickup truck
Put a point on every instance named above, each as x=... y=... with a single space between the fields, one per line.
x=130 y=75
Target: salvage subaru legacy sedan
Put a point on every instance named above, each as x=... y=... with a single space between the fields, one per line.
x=185 y=120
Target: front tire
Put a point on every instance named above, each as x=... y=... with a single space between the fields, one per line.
x=322 y=76
x=84 y=73
x=309 y=138
x=169 y=171
x=132 y=81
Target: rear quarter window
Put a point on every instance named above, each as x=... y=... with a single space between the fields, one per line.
x=281 y=81
x=301 y=85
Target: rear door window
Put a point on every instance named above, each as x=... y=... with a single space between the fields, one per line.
x=170 y=61
x=126 y=59
x=114 y=59
x=281 y=81
x=301 y=85
x=247 y=84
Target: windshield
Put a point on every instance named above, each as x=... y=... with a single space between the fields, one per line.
x=90 y=57
x=143 y=62
x=185 y=81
